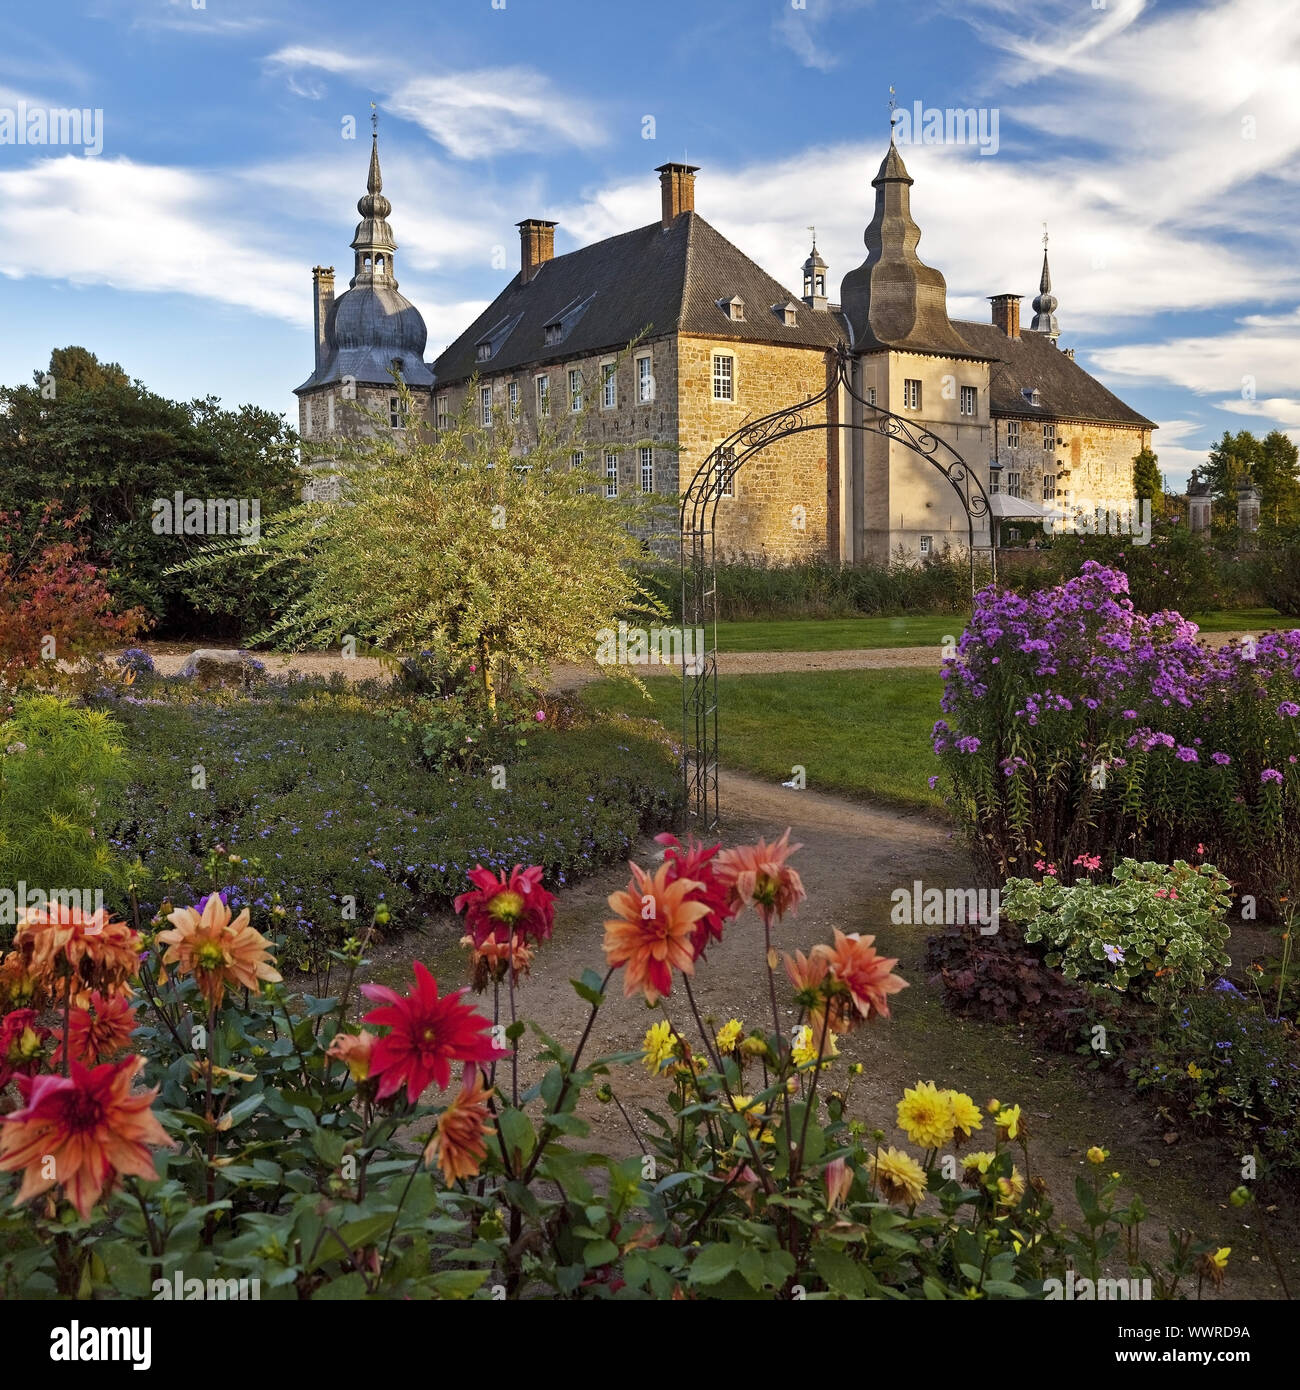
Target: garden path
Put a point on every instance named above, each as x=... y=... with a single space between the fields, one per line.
x=853 y=856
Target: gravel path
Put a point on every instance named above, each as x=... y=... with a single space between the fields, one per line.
x=169 y=657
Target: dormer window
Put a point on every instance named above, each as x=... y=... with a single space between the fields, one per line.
x=1030 y=393
x=484 y=351
x=734 y=308
x=788 y=314
x=552 y=334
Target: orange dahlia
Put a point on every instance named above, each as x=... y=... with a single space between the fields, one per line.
x=459 y=1142
x=495 y=957
x=22 y=1044
x=758 y=875
x=653 y=930
x=355 y=1050
x=854 y=962
x=19 y=988
x=81 y=1132
x=56 y=942
x=218 y=952
x=95 y=1037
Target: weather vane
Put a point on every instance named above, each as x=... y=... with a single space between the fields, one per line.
x=1044 y=236
x=893 y=106
x=374 y=118
x=813 y=230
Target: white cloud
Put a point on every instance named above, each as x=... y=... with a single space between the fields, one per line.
x=470 y=114
x=80 y=220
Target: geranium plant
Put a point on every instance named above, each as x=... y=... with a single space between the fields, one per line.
x=1153 y=929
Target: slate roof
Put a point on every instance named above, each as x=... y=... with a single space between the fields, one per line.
x=654 y=280
x=1066 y=391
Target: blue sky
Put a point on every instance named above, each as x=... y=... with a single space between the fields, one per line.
x=1159 y=141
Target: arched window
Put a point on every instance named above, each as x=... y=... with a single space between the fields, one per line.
x=366 y=263
x=379 y=264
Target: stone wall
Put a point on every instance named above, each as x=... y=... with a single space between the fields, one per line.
x=779 y=510
x=327 y=413
x=1092 y=463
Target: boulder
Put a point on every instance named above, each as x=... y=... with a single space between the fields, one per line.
x=210 y=666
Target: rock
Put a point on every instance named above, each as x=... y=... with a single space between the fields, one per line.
x=211 y=666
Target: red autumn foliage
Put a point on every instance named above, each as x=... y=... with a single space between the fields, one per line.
x=52 y=600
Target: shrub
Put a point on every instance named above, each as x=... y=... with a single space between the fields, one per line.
x=1220 y=1062
x=300 y=1151
x=55 y=608
x=59 y=766
x=1154 y=930
x=1079 y=729
x=1278 y=571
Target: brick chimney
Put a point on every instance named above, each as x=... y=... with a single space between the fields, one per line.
x=536 y=246
x=322 y=285
x=676 y=189
x=1006 y=313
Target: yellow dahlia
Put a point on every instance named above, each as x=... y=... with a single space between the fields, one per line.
x=658 y=1047
x=729 y=1035
x=926 y=1116
x=898 y=1177
x=1009 y=1123
x=966 y=1115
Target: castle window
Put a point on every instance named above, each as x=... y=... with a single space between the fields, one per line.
x=1013 y=434
x=512 y=398
x=329 y=413
x=379 y=264
x=575 y=459
x=1013 y=484
x=968 y=399
x=1049 y=487
x=647 y=470
x=724 y=376
x=821 y=284
x=911 y=394
x=396 y=412
x=1049 y=438
x=484 y=352
x=871 y=395
x=609 y=388
x=552 y=334
x=995 y=481
x=645 y=382
x=485 y=406
x=442 y=416
x=926 y=543
x=543 y=394
x=1030 y=393
x=575 y=390
x=611 y=473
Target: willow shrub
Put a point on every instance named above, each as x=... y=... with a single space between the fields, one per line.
x=1075 y=727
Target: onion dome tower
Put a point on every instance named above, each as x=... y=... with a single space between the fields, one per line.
x=1045 y=303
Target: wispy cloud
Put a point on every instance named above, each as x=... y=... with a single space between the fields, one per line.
x=808 y=29
x=470 y=114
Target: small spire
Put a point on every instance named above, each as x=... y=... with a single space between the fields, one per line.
x=1045 y=301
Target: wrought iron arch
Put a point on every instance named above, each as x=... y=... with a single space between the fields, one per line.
x=698 y=560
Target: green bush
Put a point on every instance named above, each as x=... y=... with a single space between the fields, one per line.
x=59 y=765
x=822 y=588
x=1152 y=920
x=1277 y=574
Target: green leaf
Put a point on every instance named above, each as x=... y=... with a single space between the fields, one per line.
x=840 y=1271
x=714 y=1262
x=591 y=993
x=599 y=1252
x=517 y=1132
x=459 y=1283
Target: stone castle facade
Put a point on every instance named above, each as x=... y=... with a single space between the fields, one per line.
x=658 y=343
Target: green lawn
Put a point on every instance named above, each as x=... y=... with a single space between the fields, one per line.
x=916 y=630
x=866 y=733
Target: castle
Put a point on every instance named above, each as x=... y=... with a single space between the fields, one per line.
x=716 y=342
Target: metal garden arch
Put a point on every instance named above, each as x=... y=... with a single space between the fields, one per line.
x=699 y=564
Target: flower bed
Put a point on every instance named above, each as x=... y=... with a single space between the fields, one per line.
x=1076 y=727
x=333 y=809
x=182 y=1118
